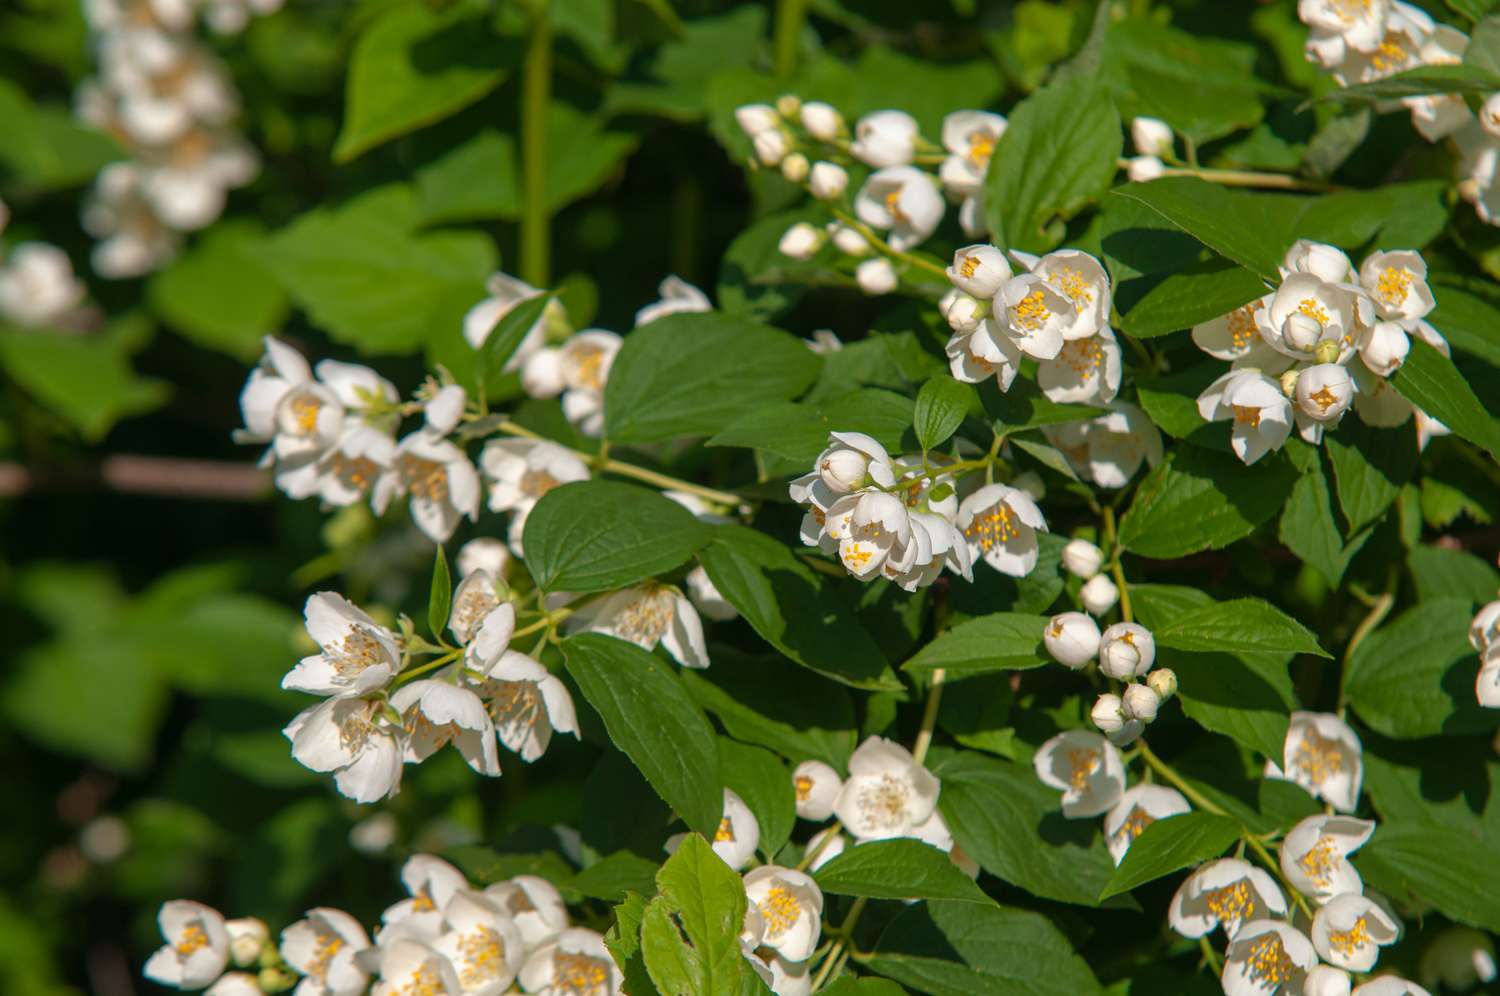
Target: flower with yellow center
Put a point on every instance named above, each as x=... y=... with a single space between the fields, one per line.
x=647 y=615
x=357 y=656
x=1226 y=893
x=1350 y=930
x=1259 y=414
x=970 y=138
x=887 y=794
x=790 y=906
x=815 y=789
x=903 y=200
x=1086 y=768
x=1137 y=809
x=196 y=949
x=1397 y=282
x=441 y=484
x=1000 y=524
x=323 y=946
x=1323 y=755
x=1314 y=855
x=1265 y=957
x=410 y=967
x=482 y=942
x=575 y=964
x=525 y=701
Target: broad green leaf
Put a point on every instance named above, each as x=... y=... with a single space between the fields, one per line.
x=771 y=702
x=1222 y=221
x=942 y=404
x=599 y=535
x=995 y=809
x=506 y=337
x=1240 y=626
x=1418 y=82
x=365 y=275
x=1429 y=380
x=1469 y=322
x=1446 y=782
x=1172 y=403
x=440 y=597
x=1169 y=844
x=706 y=898
x=615 y=877
x=677 y=75
x=694 y=374
x=793 y=608
x=1005 y=641
x=1201 y=292
x=1415 y=677
x=624 y=940
x=1024 y=406
x=758 y=280
x=851 y=986
x=639 y=696
x=1444 y=867
x=1483 y=52
x=485 y=866
x=1310 y=529
x=672 y=962
x=1443 y=573
x=1056 y=156
x=1197 y=499
x=764 y=783
x=46 y=148
x=1369 y=468
x=960 y=949
x=415 y=65
x=898 y=869
x=798 y=432
x=219 y=295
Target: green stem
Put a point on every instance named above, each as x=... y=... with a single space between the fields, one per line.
x=1380 y=608
x=929 y=716
x=1247 y=178
x=1210 y=955
x=841 y=945
x=1111 y=540
x=536 y=95
x=884 y=247
x=431 y=665
x=811 y=856
x=791 y=15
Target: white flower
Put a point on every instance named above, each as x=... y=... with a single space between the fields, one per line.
x=133 y=241
x=482 y=942
x=440 y=482
x=756 y=118
x=1487 y=685
x=1126 y=650
x=1261 y=414
x=771 y=146
x=868 y=527
x=970 y=138
x=1266 y=956
x=1235 y=337
x=1325 y=980
x=979 y=270
x=346 y=471
x=535 y=905
x=525 y=702
x=815 y=789
x=985 y=352
x=1000 y=524
x=1163 y=681
x=520 y=471
x=358 y=654
x=1328 y=263
x=1227 y=893
x=37 y=285
x=1324 y=392
x=876 y=276
x=791 y=907
x=887 y=794
x=1137 y=809
x=1086 y=768
x=1458 y=958
x=827 y=181
x=800 y=242
x=323 y=946
x=904 y=200
x=1485 y=626
x=430 y=882
x=483 y=554
x=436 y=713
x=1034 y=314
x=1397 y=282
x=1306 y=311
x=1082 y=558
x=645 y=615
x=1099 y=594
x=1314 y=855
x=1108 y=714
x=821 y=120
x=1437 y=116
x=1350 y=930
x=353 y=739
x=247 y=937
x=1383 y=347
x=1109 y=449
x=825 y=845
x=577 y=962
x=1324 y=756
x=885 y=138
x=475 y=597
x=935 y=543
x=1151 y=136
x=197 y=948
x=235 y=984
x=408 y=966
x=1084 y=371
x=785 y=978
x=1144 y=169
x=1072 y=639
x=676 y=297
x=1082 y=281
x=738 y=833
x=1361 y=23
x=1141 y=702
x=1390 y=985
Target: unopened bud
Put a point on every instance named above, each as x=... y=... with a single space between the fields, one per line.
x=801 y=242
x=275 y=980
x=247 y=937
x=1072 y=639
x=1301 y=332
x=964 y=313
x=1082 y=558
x=756 y=118
x=1151 y=136
x=1108 y=713
x=1144 y=169
x=822 y=121
x=1126 y=651
x=876 y=276
x=848 y=240
x=843 y=470
x=827 y=181
x=1163 y=682
x=1141 y=702
x=1289 y=383
x=788 y=104
x=1127 y=734
x=795 y=167
x=770 y=146
x=1099 y=594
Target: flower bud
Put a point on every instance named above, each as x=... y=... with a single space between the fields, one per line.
x=822 y=121
x=788 y=104
x=1072 y=639
x=1325 y=980
x=1489 y=115
x=1099 y=594
x=1144 y=169
x=1384 y=348
x=1108 y=713
x=1326 y=351
x=795 y=167
x=1126 y=650
x=770 y=146
x=848 y=241
x=964 y=313
x=1289 y=383
x=815 y=788
x=275 y=979
x=876 y=276
x=1301 y=332
x=979 y=270
x=1141 y=703
x=246 y=939
x=1324 y=392
x=756 y=118
x=801 y=241
x=1152 y=136
x=828 y=181
x=1163 y=682
x=844 y=470
x=1082 y=558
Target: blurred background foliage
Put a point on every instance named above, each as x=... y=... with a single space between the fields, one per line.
x=148 y=633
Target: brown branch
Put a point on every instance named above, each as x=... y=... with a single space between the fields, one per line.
x=163 y=477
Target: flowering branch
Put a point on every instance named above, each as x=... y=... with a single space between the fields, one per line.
x=885 y=248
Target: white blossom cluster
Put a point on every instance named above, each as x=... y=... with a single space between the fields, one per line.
x=447 y=938
x=1327 y=337
x=1482 y=635
x=38 y=288
x=170 y=103
x=381 y=711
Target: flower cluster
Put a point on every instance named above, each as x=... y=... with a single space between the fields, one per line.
x=169 y=101
x=1482 y=635
x=38 y=288
x=381 y=712
x=1327 y=337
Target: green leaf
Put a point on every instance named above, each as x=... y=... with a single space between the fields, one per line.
x=638 y=696
x=898 y=869
x=1005 y=641
x=1024 y=406
x=1417 y=82
x=505 y=338
x=1172 y=843
x=995 y=810
x=440 y=597
x=1240 y=626
x=1199 y=293
x=959 y=949
x=1429 y=380
x=797 y=433
x=614 y=877
x=942 y=404
x=1310 y=529
x=1443 y=573
x=598 y=535
x=1484 y=41
x=793 y=608
x=1369 y=469
x=1197 y=499
x=694 y=374
x=45 y=148
x=1057 y=155
x=848 y=985
x=771 y=702
x=707 y=899
x=1415 y=677
x=624 y=941
x=1438 y=866
x=364 y=274
x=415 y=65
x=1222 y=221
x=756 y=279
x=759 y=778
x=218 y=294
